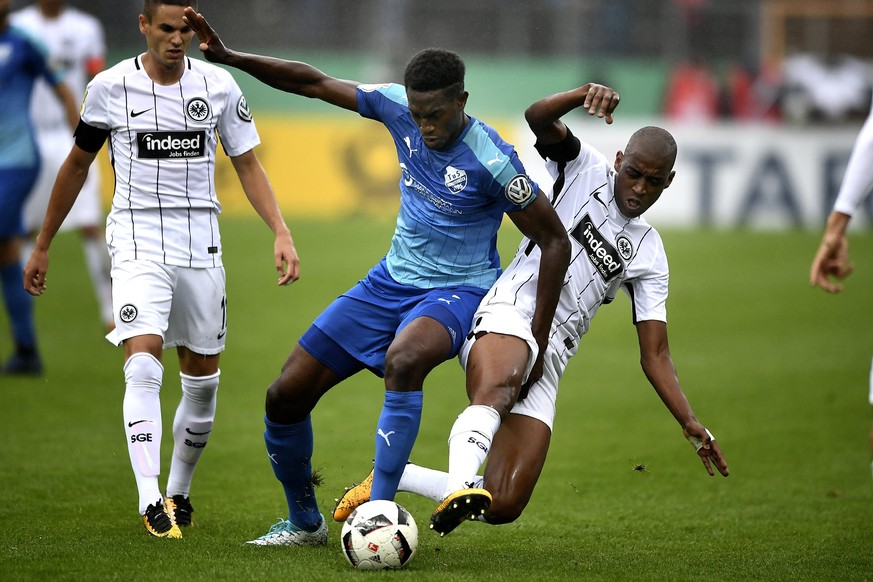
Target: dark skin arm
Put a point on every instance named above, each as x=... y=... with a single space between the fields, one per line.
x=289 y=76
x=658 y=367
x=544 y=120
x=544 y=116
x=541 y=224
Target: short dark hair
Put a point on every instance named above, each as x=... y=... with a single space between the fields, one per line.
x=433 y=69
x=653 y=140
x=150 y=6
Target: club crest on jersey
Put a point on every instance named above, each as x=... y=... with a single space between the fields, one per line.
x=242 y=109
x=197 y=109
x=625 y=247
x=603 y=256
x=455 y=179
x=519 y=190
x=127 y=313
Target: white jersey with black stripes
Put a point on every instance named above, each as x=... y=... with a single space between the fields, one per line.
x=609 y=252
x=162 y=146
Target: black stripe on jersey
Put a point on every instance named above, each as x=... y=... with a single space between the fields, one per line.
x=556 y=189
x=630 y=291
x=130 y=165
x=187 y=177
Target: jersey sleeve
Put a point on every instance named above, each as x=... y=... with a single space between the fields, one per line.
x=858 y=180
x=381 y=102
x=568 y=156
x=236 y=125
x=648 y=291
x=95 y=104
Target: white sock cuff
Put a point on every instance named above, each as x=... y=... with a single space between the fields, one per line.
x=198 y=379
x=476 y=418
x=143 y=368
x=201 y=389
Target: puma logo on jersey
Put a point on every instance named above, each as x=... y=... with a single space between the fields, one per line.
x=496 y=160
x=408 y=142
x=167 y=145
x=603 y=255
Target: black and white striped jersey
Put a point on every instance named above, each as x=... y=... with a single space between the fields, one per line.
x=609 y=251
x=162 y=148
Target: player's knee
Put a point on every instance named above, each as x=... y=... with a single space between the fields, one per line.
x=143 y=370
x=406 y=368
x=289 y=401
x=506 y=505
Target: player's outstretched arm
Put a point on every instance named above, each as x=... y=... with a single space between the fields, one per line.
x=831 y=263
x=659 y=369
x=544 y=116
x=260 y=194
x=289 y=76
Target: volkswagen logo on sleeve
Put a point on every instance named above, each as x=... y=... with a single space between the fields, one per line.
x=519 y=190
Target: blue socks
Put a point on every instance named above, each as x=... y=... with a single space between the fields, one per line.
x=19 y=306
x=395 y=435
x=289 y=447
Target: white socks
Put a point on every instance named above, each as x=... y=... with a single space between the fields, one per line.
x=469 y=443
x=143 y=375
x=142 y=423
x=427 y=482
x=191 y=429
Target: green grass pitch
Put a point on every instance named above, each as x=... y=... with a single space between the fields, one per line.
x=778 y=371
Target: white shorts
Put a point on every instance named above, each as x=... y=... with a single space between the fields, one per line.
x=507 y=319
x=54 y=146
x=185 y=306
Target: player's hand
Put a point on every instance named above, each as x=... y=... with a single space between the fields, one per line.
x=287 y=261
x=831 y=263
x=212 y=47
x=601 y=101
x=34 y=273
x=707 y=449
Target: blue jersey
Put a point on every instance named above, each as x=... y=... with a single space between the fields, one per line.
x=451 y=202
x=22 y=61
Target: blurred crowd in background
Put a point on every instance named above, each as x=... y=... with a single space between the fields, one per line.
x=798 y=61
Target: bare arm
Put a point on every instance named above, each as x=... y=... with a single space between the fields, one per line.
x=262 y=198
x=289 y=76
x=658 y=367
x=68 y=100
x=68 y=183
x=544 y=116
x=541 y=224
x=831 y=263
x=832 y=258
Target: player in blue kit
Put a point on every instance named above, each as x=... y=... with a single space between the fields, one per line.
x=413 y=310
x=22 y=62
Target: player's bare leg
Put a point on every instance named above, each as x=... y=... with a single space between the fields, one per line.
x=515 y=463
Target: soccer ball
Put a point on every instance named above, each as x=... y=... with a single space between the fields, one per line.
x=379 y=535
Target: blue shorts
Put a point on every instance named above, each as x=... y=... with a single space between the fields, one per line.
x=355 y=331
x=15 y=186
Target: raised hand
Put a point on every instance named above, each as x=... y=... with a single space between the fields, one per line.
x=601 y=101
x=210 y=44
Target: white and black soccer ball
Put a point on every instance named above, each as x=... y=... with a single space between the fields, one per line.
x=379 y=535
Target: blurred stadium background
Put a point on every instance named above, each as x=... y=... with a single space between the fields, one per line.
x=765 y=96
